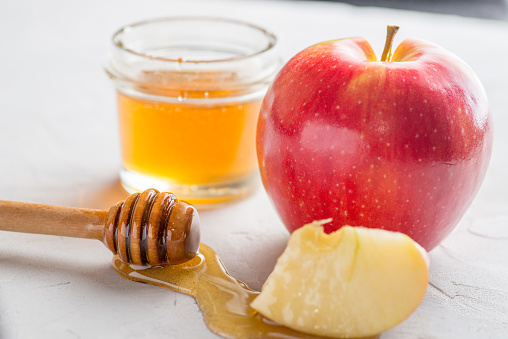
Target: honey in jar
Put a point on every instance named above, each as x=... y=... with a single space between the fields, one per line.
x=189 y=92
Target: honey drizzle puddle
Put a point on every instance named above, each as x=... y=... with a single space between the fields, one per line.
x=223 y=300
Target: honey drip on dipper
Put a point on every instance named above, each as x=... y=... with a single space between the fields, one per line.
x=148 y=228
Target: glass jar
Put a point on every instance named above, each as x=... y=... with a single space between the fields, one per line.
x=189 y=91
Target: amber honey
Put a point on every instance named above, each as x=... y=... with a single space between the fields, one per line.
x=189 y=90
x=223 y=300
x=189 y=145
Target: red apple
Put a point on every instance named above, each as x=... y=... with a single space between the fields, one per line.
x=401 y=144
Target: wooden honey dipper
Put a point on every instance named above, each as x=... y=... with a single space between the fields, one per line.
x=148 y=228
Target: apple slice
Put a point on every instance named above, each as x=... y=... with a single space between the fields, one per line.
x=354 y=282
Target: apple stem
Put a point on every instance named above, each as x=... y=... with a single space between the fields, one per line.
x=390 y=34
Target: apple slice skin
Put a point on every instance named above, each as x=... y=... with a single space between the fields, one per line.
x=356 y=282
x=404 y=143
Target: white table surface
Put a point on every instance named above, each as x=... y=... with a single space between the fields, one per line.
x=59 y=145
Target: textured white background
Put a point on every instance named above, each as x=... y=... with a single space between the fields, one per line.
x=59 y=145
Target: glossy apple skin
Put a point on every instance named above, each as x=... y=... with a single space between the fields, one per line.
x=401 y=145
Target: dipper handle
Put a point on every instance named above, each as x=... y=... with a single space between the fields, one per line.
x=148 y=228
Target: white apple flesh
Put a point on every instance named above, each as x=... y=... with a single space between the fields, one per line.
x=355 y=282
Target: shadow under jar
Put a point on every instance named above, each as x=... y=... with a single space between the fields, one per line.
x=189 y=91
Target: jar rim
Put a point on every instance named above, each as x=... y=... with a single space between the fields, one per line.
x=272 y=39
